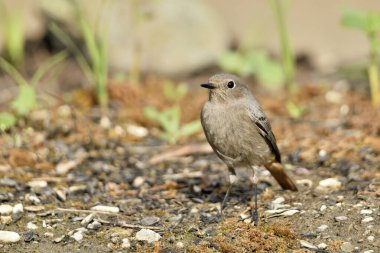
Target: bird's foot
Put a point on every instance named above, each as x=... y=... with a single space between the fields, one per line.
x=255 y=217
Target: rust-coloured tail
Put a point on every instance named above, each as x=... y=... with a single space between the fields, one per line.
x=280 y=175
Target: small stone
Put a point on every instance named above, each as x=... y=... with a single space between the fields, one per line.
x=322 y=228
x=88 y=219
x=6 y=209
x=34 y=208
x=31 y=225
x=322 y=246
x=105 y=122
x=125 y=244
x=77 y=189
x=29 y=236
x=94 y=225
x=279 y=200
x=48 y=234
x=369 y=251
x=367 y=219
x=340 y=218
x=32 y=199
x=329 y=184
x=138 y=181
x=147 y=235
x=9 y=236
x=60 y=238
x=323 y=208
x=149 y=220
x=61 y=193
x=308 y=245
x=137 y=131
x=110 y=209
x=305 y=182
x=37 y=184
x=347 y=247
x=64 y=167
x=5 y=219
x=180 y=245
x=78 y=236
x=371 y=238
x=366 y=211
x=18 y=208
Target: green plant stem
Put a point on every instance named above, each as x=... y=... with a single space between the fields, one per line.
x=373 y=76
x=286 y=51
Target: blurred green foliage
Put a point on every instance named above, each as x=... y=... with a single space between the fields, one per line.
x=295 y=111
x=369 y=23
x=279 y=13
x=253 y=62
x=169 y=119
x=96 y=69
x=175 y=92
x=11 y=21
x=26 y=99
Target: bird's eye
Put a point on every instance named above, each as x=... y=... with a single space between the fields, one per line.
x=231 y=84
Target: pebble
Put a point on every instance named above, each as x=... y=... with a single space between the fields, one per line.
x=137 y=131
x=61 y=193
x=347 y=247
x=29 y=236
x=322 y=246
x=6 y=209
x=366 y=211
x=308 y=245
x=78 y=236
x=323 y=208
x=367 y=219
x=95 y=225
x=147 y=235
x=31 y=225
x=37 y=184
x=32 y=199
x=180 y=245
x=341 y=218
x=110 y=209
x=9 y=236
x=125 y=244
x=322 y=228
x=5 y=219
x=305 y=182
x=282 y=212
x=329 y=184
x=18 y=208
x=138 y=181
x=279 y=200
x=64 y=167
x=34 y=208
x=48 y=234
x=88 y=219
x=77 y=189
x=105 y=122
x=369 y=251
x=149 y=220
x=371 y=238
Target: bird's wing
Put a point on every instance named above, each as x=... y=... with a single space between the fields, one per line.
x=258 y=117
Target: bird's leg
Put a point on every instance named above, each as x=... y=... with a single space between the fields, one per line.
x=255 y=211
x=232 y=180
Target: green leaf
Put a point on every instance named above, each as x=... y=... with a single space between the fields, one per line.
x=7 y=121
x=295 y=111
x=190 y=128
x=375 y=45
x=355 y=19
x=25 y=100
x=151 y=113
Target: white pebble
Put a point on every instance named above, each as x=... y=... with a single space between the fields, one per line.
x=111 y=209
x=138 y=181
x=48 y=234
x=78 y=236
x=329 y=184
x=279 y=200
x=31 y=225
x=366 y=211
x=180 y=245
x=322 y=228
x=37 y=184
x=125 y=243
x=308 y=245
x=369 y=251
x=371 y=238
x=341 y=218
x=367 y=219
x=6 y=209
x=18 y=208
x=147 y=235
x=64 y=167
x=137 y=131
x=323 y=207
x=9 y=236
x=322 y=246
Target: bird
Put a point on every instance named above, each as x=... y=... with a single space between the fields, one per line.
x=240 y=134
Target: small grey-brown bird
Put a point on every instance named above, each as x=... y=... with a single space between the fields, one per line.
x=239 y=132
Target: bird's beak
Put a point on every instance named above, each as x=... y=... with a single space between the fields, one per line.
x=208 y=86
